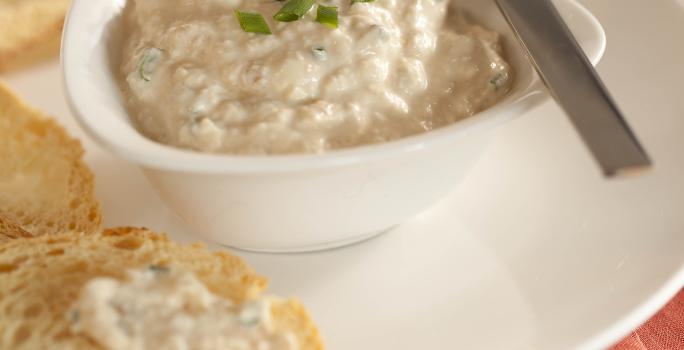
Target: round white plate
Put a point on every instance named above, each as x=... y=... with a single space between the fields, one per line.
x=533 y=250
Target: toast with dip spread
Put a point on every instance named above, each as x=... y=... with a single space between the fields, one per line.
x=130 y=288
x=45 y=187
x=64 y=284
x=30 y=30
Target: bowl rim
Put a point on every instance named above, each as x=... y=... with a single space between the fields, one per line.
x=165 y=157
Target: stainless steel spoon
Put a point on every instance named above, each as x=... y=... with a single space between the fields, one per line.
x=575 y=85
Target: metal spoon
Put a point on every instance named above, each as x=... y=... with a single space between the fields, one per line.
x=575 y=85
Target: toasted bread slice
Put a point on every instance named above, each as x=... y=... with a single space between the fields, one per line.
x=44 y=185
x=30 y=30
x=41 y=277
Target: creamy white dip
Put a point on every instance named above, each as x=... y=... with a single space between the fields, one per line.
x=393 y=68
x=167 y=309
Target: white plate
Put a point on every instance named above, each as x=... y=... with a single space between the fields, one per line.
x=534 y=250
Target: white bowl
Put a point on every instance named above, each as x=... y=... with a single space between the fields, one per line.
x=295 y=202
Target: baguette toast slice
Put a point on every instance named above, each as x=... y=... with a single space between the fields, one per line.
x=42 y=276
x=44 y=185
x=30 y=30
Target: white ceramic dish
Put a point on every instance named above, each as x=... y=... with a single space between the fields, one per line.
x=534 y=250
x=292 y=203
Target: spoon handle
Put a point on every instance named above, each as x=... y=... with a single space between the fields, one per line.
x=575 y=85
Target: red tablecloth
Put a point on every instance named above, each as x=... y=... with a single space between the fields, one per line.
x=665 y=331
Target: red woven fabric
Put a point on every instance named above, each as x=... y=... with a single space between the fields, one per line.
x=665 y=331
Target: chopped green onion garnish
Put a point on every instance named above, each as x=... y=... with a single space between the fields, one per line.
x=499 y=80
x=327 y=15
x=159 y=269
x=74 y=315
x=319 y=52
x=252 y=22
x=149 y=62
x=293 y=10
